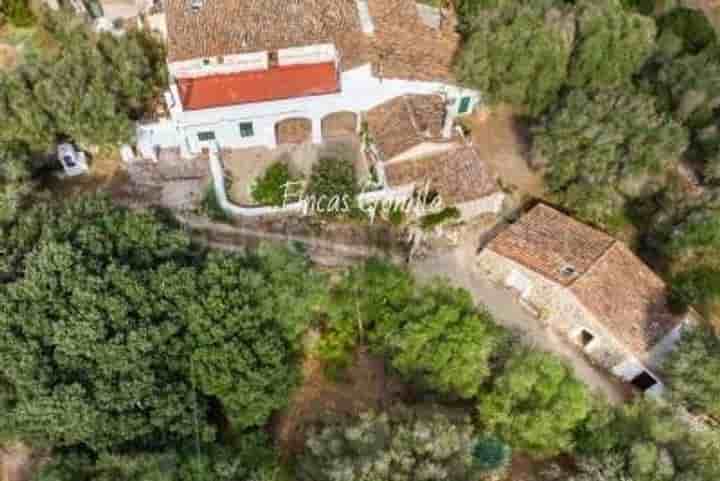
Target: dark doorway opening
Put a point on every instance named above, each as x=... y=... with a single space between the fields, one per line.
x=644 y=381
x=586 y=337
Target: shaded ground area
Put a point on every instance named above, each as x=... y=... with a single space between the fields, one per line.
x=107 y=174
x=457 y=265
x=16 y=462
x=503 y=142
x=364 y=386
x=244 y=166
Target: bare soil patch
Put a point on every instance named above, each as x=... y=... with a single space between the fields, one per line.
x=16 y=462
x=502 y=140
x=366 y=385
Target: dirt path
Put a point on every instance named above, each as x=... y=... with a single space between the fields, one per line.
x=15 y=462
x=458 y=267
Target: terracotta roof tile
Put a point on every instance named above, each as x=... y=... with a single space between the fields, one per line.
x=273 y=84
x=458 y=174
x=628 y=298
x=404 y=122
x=223 y=27
x=548 y=241
x=609 y=280
x=402 y=47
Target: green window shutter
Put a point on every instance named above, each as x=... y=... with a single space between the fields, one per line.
x=464 y=105
x=246 y=129
x=206 y=136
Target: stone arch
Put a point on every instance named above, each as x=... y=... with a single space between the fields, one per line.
x=295 y=130
x=339 y=125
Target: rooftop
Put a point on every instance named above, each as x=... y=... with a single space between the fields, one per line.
x=625 y=295
x=458 y=174
x=405 y=122
x=275 y=83
x=401 y=47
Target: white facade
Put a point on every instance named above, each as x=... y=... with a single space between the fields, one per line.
x=360 y=91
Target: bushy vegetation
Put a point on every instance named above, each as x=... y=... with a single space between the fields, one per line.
x=404 y=445
x=433 y=334
x=606 y=147
x=270 y=188
x=333 y=186
x=692 y=371
x=17 y=12
x=117 y=332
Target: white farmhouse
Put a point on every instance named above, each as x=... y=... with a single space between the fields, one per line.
x=590 y=287
x=248 y=73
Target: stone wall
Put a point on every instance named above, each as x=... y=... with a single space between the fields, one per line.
x=557 y=307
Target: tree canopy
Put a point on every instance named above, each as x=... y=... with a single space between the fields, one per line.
x=535 y=404
x=612 y=44
x=114 y=79
x=605 y=147
x=118 y=332
x=434 y=334
x=520 y=59
x=408 y=446
x=692 y=368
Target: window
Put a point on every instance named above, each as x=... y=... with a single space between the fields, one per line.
x=206 y=61
x=586 y=338
x=568 y=271
x=206 y=136
x=464 y=105
x=246 y=129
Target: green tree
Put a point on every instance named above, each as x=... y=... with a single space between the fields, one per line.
x=535 y=404
x=646 y=441
x=491 y=454
x=92 y=348
x=520 y=59
x=612 y=44
x=17 y=12
x=114 y=81
x=434 y=334
x=411 y=447
x=443 y=339
x=603 y=148
x=691 y=371
x=245 y=330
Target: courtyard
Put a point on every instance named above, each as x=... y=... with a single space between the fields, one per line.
x=244 y=166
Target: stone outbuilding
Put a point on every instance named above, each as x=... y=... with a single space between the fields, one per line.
x=589 y=287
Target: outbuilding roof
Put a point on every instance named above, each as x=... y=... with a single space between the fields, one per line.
x=624 y=294
x=458 y=174
x=405 y=122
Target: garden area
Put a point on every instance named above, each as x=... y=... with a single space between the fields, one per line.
x=257 y=176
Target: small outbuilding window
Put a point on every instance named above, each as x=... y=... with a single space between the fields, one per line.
x=644 y=381
x=464 y=105
x=568 y=271
x=586 y=337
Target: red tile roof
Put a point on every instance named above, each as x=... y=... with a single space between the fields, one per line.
x=276 y=83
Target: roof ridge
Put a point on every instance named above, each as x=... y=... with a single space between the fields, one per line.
x=596 y=261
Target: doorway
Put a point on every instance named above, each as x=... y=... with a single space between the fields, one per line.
x=644 y=381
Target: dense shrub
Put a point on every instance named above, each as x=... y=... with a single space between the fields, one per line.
x=18 y=12
x=270 y=187
x=436 y=218
x=405 y=446
x=691 y=25
x=332 y=187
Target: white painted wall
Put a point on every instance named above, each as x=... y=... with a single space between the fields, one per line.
x=360 y=92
